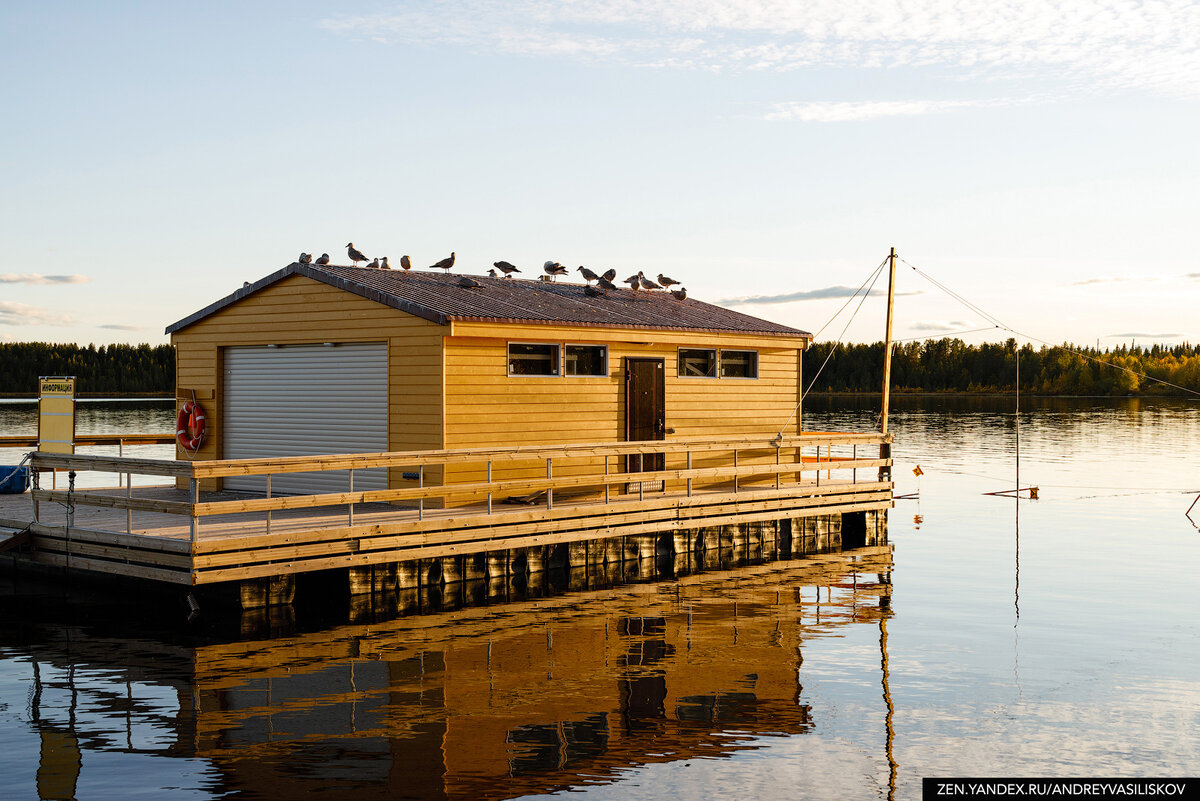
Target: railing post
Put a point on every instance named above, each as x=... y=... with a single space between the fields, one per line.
x=420 y=484
x=350 y=509
x=818 y=465
x=606 y=484
x=735 y=475
x=689 y=480
x=194 y=493
x=549 y=490
x=121 y=454
x=128 y=496
x=489 y=481
x=854 y=459
x=777 y=463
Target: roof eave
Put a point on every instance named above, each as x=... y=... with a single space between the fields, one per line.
x=296 y=268
x=632 y=326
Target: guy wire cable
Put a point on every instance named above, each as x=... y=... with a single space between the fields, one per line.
x=871 y=279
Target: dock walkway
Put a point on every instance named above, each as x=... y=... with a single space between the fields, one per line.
x=183 y=535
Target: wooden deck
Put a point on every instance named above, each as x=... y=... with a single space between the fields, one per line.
x=189 y=537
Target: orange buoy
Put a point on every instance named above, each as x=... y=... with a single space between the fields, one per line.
x=189 y=426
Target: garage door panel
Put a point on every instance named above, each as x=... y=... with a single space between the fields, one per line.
x=305 y=400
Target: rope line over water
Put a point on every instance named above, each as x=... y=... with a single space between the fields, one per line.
x=998 y=324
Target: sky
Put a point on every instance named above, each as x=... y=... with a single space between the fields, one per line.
x=1036 y=158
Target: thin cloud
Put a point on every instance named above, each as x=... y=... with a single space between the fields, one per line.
x=930 y=326
x=1141 y=335
x=1194 y=276
x=36 y=278
x=811 y=294
x=120 y=327
x=869 y=110
x=1098 y=45
x=1094 y=281
x=23 y=314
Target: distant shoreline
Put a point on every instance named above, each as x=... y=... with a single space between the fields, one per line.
x=86 y=398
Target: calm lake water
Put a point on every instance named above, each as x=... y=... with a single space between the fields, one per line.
x=1058 y=637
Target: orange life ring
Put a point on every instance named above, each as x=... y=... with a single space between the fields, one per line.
x=189 y=426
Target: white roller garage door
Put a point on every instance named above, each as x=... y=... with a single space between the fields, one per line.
x=300 y=400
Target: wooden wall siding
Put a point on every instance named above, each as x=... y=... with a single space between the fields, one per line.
x=485 y=406
x=299 y=310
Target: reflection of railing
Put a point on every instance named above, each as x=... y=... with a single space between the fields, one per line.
x=740 y=464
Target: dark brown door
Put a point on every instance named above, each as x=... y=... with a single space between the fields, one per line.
x=645 y=409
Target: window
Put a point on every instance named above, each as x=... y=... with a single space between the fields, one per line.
x=524 y=359
x=739 y=364
x=697 y=363
x=585 y=360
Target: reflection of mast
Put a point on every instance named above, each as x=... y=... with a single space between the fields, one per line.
x=60 y=759
x=1017 y=593
x=891 y=709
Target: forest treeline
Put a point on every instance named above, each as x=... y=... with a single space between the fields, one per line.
x=99 y=370
x=939 y=365
x=951 y=365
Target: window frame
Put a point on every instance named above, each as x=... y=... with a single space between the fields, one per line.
x=604 y=372
x=716 y=369
x=557 y=360
x=721 y=366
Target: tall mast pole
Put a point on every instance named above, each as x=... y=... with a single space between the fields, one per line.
x=885 y=473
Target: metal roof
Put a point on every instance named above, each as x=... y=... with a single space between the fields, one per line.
x=438 y=297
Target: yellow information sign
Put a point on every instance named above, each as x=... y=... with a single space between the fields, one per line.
x=56 y=414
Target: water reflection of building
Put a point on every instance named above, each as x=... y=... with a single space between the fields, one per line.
x=485 y=702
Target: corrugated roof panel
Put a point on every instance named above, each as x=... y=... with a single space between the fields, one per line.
x=440 y=298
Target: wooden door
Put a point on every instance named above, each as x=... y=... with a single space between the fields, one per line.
x=645 y=410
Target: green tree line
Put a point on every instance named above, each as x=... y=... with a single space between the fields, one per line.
x=938 y=365
x=951 y=365
x=99 y=370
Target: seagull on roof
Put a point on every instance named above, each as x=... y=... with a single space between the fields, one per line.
x=553 y=269
x=445 y=264
x=666 y=281
x=609 y=274
x=634 y=281
x=646 y=282
x=406 y=262
x=493 y=274
x=354 y=253
x=468 y=283
x=587 y=274
x=323 y=258
x=545 y=278
x=680 y=294
x=591 y=291
x=305 y=258
x=505 y=267
x=374 y=263
x=383 y=263
x=605 y=284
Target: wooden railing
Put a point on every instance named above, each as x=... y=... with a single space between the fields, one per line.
x=760 y=462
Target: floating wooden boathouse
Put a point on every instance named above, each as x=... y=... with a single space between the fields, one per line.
x=362 y=419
